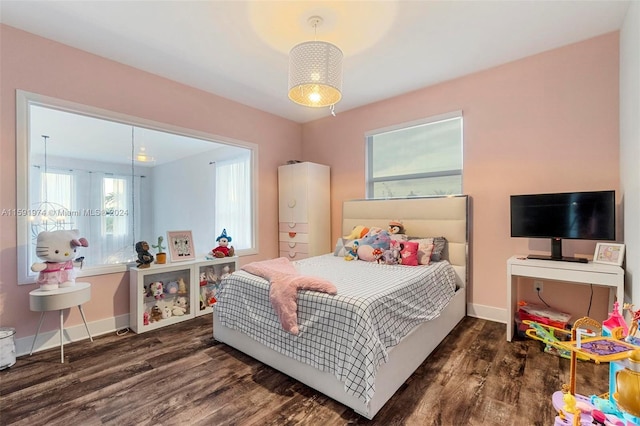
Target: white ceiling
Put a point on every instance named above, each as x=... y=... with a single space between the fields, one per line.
x=239 y=49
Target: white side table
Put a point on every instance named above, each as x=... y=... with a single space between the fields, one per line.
x=60 y=299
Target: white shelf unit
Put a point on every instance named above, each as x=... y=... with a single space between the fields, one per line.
x=140 y=304
x=214 y=271
x=599 y=274
x=303 y=210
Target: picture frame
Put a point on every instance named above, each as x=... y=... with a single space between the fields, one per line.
x=180 y=245
x=609 y=253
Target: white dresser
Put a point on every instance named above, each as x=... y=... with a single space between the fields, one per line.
x=304 y=210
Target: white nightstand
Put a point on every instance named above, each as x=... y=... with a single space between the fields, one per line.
x=60 y=299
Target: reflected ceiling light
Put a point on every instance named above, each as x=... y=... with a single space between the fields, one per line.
x=143 y=157
x=315 y=72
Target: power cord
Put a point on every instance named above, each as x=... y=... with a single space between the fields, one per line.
x=540 y=297
x=590 y=300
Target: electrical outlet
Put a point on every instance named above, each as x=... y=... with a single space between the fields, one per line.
x=537 y=286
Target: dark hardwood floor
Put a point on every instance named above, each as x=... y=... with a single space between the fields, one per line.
x=180 y=376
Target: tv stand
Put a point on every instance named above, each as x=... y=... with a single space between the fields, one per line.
x=560 y=259
x=599 y=274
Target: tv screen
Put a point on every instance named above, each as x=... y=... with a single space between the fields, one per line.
x=570 y=215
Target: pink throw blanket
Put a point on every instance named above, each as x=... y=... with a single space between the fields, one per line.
x=285 y=282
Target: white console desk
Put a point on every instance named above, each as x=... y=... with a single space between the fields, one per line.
x=579 y=273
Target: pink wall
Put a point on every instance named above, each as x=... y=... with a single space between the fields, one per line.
x=41 y=66
x=545 y=123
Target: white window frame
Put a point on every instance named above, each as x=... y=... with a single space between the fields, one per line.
x=25 y=99
x=370 y=181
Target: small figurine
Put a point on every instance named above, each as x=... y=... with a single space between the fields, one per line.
x=182 y=286
x=144 y=257
x=396 y=227
x=58 y=249
x=223 y=249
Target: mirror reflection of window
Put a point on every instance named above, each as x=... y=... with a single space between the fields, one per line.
x=121 y=180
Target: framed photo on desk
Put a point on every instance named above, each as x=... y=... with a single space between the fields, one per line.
x=609 y=253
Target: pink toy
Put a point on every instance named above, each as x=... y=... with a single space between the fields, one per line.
x=58 y=250
x=156 y=290
x=615 y=320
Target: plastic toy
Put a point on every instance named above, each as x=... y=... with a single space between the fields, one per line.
x=58 y=250
x=621 y=405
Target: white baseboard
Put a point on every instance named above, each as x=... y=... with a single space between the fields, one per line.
x=51 y=339
x=487 y=312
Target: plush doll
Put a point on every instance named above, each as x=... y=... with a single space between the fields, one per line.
x=352 y=252
x=223 y=249
x=145 y=318
x=156 y=314
x=144 y=257
x=166 y=312
x=172 y=287
x=58 y=250
x=357 y=232
x=156 y=290
x=180 y=306
x=225 y=272
x=182 y=286
x=203 y=279
x=396 y=227
x=373 y=245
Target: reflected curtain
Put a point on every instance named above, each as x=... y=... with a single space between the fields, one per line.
x=233 y=199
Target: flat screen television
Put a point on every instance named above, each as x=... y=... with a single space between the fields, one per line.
x=568 y=215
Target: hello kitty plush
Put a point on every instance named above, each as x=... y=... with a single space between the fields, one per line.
x=58 y=250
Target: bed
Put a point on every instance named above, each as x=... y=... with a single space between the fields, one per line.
x=431 y=216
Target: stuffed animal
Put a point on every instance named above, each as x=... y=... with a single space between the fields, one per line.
x=352 y=253
x=172 y=287
x=223 y=249
x=156 y=290
x=225 y=272
x=166 y=312
x=144 y=257
x=145 y=318
x=182 y=286
x=180 y=306
x=357 y=232
x=156 y=314
x=373 y=245
x=203 y=279
x=58 y=250
x=396 y=227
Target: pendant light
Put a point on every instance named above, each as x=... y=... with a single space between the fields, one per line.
x=315 y=72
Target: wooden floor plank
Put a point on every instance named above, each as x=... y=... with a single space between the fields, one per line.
x=179 y=375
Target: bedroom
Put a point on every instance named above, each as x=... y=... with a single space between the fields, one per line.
x=593 y=110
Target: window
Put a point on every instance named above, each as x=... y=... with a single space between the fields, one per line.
x=416 y=159
x=120 y=179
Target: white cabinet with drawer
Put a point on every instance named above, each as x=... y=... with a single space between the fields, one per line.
x=304 y=212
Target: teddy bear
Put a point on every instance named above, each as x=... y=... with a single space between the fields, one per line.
x=58 y=250
x=223 y=249
x=180 y=306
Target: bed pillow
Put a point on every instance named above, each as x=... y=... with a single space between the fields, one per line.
x=439 y=244
x=425 y=248
x=409 y=253
x=342 y=246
